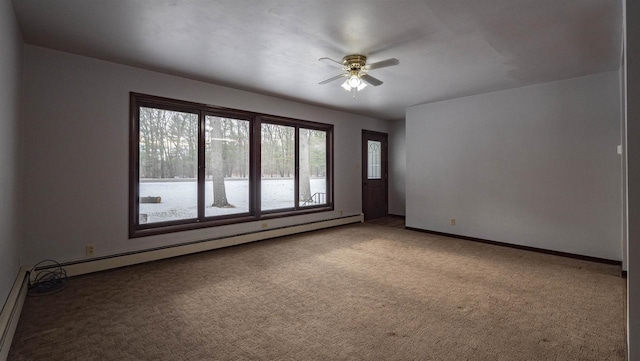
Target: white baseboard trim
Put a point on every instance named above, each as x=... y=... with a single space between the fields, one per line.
x=11 y=312
x=128 y=259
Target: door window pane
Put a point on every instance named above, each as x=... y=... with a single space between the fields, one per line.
x=227 y=149
x=168 y=171
x=313 y=167
x=373 y=162
x=277 y=167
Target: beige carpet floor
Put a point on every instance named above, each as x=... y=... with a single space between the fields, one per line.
x=358 y=292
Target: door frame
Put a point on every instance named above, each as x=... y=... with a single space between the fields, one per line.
x=384 y=163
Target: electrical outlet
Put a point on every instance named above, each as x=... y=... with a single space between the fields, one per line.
x=452 y=221
x=264 y=225
x=89 y=250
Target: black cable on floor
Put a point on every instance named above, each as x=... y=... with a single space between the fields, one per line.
x=48 y=280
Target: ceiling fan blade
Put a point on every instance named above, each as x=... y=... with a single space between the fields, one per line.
x=332 y=62
x=383 y=64
x=371 y=80
x=332 y=79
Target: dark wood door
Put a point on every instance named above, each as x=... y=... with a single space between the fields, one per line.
x=374 y=175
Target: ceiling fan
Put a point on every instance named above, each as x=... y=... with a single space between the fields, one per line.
x=356 y=71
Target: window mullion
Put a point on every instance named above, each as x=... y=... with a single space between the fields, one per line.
x=329 y=166
x=296 y=157
x=201 y=164
x=255 y=165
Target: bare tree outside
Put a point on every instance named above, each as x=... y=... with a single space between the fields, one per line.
x=167 y=156
x=227 y=146
x=305 y=182
x=277 y=166
x=217 y=164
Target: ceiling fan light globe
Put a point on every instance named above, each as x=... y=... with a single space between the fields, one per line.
x=354 y=81
x=346 y=85
x=362 y=85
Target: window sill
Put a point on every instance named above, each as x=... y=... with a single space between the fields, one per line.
x=157 y=229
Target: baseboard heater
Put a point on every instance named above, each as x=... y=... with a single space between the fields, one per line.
x=11 y=312
x=154 y=254
x=13 y=307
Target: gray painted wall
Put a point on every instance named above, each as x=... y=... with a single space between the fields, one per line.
x=10 y=65
x=397 y=167
x=535 y=166
x=76 y=156
x=623 y=164
x=633 y=175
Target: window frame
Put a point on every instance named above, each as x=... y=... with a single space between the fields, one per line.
x=255 y=213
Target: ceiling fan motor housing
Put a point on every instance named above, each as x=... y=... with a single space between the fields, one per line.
x=354 y=62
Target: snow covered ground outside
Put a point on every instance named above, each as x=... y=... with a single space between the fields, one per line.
x=179 y=198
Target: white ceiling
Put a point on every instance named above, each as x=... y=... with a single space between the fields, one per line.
x=446 y=48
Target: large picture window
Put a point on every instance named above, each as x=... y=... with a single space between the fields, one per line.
x=195 y=166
